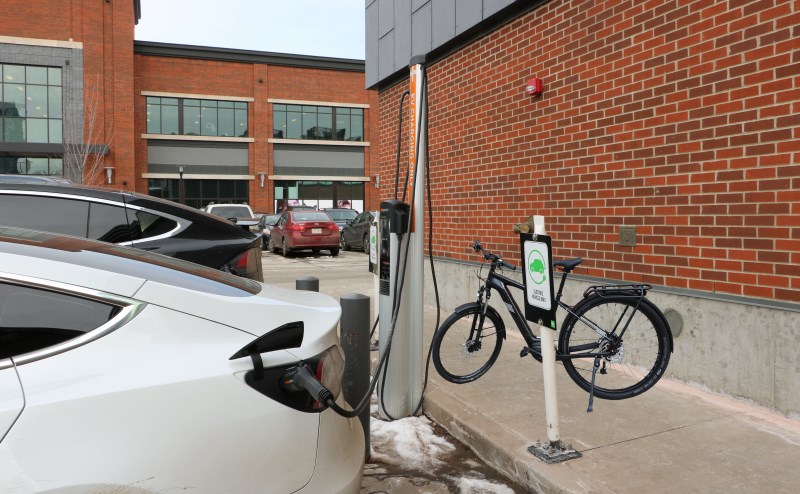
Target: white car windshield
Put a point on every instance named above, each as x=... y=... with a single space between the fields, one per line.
x=231 y=211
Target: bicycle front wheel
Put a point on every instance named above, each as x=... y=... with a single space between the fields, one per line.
x=633 y=344
x=465 y=347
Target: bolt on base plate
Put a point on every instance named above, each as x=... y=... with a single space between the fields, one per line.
x=553 y=452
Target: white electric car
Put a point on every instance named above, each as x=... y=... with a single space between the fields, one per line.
x=125 y=371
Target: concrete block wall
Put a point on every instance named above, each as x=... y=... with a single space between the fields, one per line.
x=735 y=348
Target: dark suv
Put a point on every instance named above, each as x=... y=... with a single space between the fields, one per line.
x=133 y=220
x=356 y=231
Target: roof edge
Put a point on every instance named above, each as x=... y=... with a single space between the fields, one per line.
x=249 y=56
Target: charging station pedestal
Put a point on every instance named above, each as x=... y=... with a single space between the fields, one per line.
x=400 y=390
x=396 y=397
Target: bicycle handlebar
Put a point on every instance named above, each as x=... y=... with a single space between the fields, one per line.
x=488 y=256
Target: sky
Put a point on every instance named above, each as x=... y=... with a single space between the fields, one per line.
x=327 y=28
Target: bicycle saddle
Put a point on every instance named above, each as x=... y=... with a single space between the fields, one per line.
x=568 y=265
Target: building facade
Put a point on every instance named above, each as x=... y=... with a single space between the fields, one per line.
x=82 y=98
x=664 y=150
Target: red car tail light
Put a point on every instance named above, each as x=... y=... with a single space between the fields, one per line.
x=329 y=371
x=247 y=264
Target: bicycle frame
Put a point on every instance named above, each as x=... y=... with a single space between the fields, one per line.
x=500 y=283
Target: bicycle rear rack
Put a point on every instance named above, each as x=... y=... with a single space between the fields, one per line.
x=631 y=290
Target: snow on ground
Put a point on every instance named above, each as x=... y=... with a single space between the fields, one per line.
x=480 y=486
x=407 y=442
x=411 y=443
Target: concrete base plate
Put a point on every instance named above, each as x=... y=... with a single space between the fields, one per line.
x=553 y=452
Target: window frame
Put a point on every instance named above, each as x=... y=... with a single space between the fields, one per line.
x=237 y=108
x=128 y=309
x=347 y=113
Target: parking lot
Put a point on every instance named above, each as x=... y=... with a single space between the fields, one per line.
x=410 y=455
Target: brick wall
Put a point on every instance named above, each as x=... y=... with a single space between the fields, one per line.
x=677 y=117
x=258 y=81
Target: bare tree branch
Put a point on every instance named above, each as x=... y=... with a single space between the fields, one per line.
x=84 y=154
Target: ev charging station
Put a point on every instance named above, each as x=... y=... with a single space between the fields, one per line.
x=401 y=271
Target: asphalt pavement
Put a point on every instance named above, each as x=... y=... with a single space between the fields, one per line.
x=674 y=438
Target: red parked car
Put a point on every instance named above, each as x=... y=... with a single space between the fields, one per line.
x=299 y=230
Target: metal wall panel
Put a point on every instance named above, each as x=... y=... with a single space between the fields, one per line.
x=444 y=21
x=311 y=160
x=197 y=157
x=421 y=31
x=402 y=32
x=468 y=14
x=493 y=6
x=385 y=17
x=386 y=62
x=416 y=27
x=371 y=51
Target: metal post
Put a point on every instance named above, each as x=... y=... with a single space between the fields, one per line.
x=555 y=451
x=308 y=283
x=181 y=190
x=354 y=338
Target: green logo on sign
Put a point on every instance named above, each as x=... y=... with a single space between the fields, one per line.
x=536 y=266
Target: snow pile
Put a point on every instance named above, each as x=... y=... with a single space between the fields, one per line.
x=408 y=442
x=480 y=486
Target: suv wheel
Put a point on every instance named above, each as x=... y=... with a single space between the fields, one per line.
x=343 y=243
x=365 y=243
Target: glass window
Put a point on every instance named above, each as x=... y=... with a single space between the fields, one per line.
x=36 y=75
x=208 y=120
x=57 y=166
x=169 y=119
x=342 y=125
x=49 y=214
x=356 y=128
x=151 y=225
x=108 y=224
x=309 y=122
x=32 y=319
x=293 y=125
x=37 y=166
x=241 y=122
x=191 y=120
x=13 y=100
x=14 y=129
x=36 y=101
x=153 y=118
x=225 y=104
x=54 y=102
x=55 y=131
x=279 y=125
x=225 y=121
x=14 y=73
x=53 y=76
x=37 y=130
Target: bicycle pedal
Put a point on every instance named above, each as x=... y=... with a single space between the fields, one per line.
x=524 y=352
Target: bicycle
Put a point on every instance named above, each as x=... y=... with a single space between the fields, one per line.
x=614 y=343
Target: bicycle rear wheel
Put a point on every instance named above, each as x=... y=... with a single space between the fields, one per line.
x=464 y=347
x=631 y=364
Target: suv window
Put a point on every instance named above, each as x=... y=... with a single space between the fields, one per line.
x=151 y=225
x=32 y=319
x=50 y=214
x=109 y=224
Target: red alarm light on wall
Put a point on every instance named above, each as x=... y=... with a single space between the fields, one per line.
x=535 y=87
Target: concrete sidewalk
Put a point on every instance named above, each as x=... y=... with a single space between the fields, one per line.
x=674 y=438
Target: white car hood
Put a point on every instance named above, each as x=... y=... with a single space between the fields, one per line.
x=255 y=314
